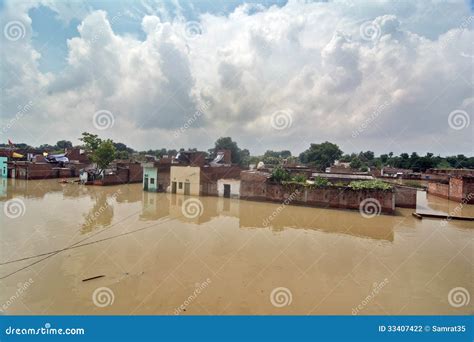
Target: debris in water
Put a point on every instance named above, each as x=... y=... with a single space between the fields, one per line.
x=92 y=278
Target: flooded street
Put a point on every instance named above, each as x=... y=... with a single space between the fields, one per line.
x=223 y=256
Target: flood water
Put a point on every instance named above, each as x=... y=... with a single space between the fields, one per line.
x=226 y=257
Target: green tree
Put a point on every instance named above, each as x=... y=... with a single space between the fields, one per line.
x=356 y=164
x=321 y=155
x=368 y=155
x=91 y=141
x=62 y=144
x=104 y=154
x=101 y=152
x=226 y=143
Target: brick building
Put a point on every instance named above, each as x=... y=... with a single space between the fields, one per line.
x=457 y=188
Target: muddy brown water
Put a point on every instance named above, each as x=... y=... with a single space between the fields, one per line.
x=224 y=256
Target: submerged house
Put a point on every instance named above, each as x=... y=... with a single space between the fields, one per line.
x=33 y=164
x=185 y=180
x=216 y=177
x=119 y=172
x=185 y=173
x=190 y=173
x=4 y=166
x=156 y=175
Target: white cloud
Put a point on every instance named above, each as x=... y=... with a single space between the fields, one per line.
x=309 y=58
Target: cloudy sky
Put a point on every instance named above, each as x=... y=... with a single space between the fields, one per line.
x=367 y=75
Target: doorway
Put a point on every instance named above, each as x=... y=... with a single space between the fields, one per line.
x=187 y=188
x=173 y=187
x=227 y=190
x=145 y=183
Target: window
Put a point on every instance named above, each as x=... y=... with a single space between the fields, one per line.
x=180 y=185
x=152 y=180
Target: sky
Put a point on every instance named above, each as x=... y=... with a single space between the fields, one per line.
x=385 y=76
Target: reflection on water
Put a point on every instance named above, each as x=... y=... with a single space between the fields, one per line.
x=152 y=254
x=250 y=215
x=427 y=203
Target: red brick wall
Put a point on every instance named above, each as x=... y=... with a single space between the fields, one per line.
x=212 y=174
x=163 y=178
x=459 y=189
x=468 y=190
x=132 y=174
x=456 y=189
x=405 y=197
x=252 y=187
x=438 y=189
x=64 y=173
x=74 y=154
x=35 y=171
x=136 y=173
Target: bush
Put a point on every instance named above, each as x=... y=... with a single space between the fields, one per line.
x=372 y=184
x=299 y=179
x=279 y=175
x=320 y=181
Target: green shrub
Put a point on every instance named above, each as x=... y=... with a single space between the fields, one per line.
x=299 y=179
x=320 y=181
x=372 y=184
x=279 y=175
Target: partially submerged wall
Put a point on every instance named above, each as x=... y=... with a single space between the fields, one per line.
x=29 y=170
x=255 y=186
x=438 y=189
x=405 y=197
x=459 y=189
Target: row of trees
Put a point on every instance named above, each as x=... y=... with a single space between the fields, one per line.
x=319 y=156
